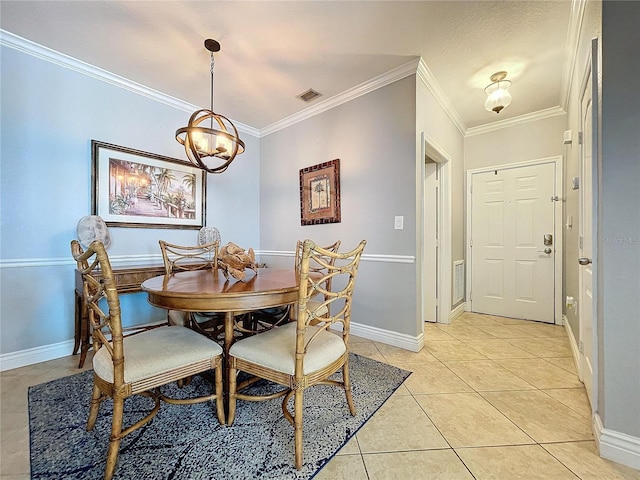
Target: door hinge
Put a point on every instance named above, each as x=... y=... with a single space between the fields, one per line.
x=580 y=346
x=579 y=138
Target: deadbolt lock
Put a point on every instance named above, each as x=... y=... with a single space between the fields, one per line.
x=548 y=239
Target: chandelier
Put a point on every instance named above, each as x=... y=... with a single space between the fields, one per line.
x=211 y=145
x=498 y=96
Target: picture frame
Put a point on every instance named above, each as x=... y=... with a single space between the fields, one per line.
x=320 y=193
x=132 y=188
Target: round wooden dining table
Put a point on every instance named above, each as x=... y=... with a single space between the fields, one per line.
x=210 y=291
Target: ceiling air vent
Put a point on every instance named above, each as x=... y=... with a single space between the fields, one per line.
x=309 y=95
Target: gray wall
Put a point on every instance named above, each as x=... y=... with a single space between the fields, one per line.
x=49 y=116
x=374 y=138
x=619 y=219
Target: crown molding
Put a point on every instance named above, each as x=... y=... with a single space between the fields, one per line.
x=416 y=66
x=433 y=86
x=576 y=18
x=23 y=45
x=380 y=81
x=510 y=122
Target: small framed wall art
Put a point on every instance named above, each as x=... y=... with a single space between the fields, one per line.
x=132 y=188
x=320 y=193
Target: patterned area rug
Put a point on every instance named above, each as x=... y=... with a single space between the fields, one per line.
x=187 y=442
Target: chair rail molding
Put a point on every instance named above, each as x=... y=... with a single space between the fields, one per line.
x=365 y=257
x=155 y=259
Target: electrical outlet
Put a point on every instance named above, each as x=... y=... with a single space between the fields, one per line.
x=399 y=222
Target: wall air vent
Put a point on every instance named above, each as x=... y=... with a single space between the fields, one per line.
x=458 y=281
x=309 y=95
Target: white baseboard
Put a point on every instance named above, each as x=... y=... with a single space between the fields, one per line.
x=615 y=446
x=22 y=358
x=575 y=351
x=395 y=339
x=459 y=310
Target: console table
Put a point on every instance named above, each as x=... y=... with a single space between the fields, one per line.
x=128 y=280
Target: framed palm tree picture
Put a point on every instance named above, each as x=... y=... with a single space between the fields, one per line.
x=320 y=193
x=131 y=188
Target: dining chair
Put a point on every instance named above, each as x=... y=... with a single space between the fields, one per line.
x=136 y=364
x=304 y=353
x=177 y=258
x=270 y=317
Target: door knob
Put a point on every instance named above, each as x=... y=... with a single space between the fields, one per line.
x=584 y=261
x=546 y=250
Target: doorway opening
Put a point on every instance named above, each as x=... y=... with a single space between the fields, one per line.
x=436 y=234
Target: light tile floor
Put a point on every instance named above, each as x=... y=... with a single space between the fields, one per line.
x=489 y=398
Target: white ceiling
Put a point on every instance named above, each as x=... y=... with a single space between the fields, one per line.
x=273 y=51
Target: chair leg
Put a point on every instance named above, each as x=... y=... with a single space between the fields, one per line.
x=219 y=393
x=96 y=400
x=116 y=437
x=347 y=388
x=297 y=425
x=231 y=413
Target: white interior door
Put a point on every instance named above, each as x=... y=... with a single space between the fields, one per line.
x=431 y=260
x=513 y=241
x=585 y=299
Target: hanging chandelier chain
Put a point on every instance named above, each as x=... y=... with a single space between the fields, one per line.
x=213 y=63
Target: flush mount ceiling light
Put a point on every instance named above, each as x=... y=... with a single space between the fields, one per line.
x=211 y=148
x=498 y=96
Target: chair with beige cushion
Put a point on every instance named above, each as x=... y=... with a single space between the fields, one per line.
x=137 y=364
x=304 y=353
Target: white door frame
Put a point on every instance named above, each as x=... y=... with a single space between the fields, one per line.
x=558 y=225
x=429 y=148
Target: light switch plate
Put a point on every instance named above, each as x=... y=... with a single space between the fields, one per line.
x=399 y=222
